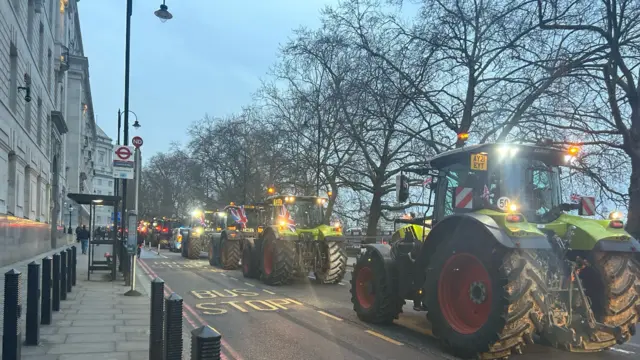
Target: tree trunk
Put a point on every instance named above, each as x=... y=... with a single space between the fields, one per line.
x=331 y=203
x=375 y=211
x=633 y=218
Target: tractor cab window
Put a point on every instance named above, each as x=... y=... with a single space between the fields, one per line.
x=306 y=213
x=461 y=189
x=532 y=185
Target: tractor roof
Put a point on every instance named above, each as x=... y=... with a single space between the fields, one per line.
x=462 y=155
x=246 y=207
x=304 y=197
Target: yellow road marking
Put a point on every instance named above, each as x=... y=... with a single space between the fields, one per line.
x=249 y=284
x=268 y=292
x=385 y=338
x=413 y=327
x=329 y=315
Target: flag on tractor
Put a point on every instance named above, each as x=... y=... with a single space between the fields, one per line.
x=239 y=216
x=285 y=216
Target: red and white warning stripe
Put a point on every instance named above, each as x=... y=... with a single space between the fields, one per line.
x=464 y=198
x=588 y=205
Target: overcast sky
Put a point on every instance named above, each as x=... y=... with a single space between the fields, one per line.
x=208 y=59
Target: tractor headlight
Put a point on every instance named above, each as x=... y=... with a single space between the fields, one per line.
x=199 y=230
x=616 y=215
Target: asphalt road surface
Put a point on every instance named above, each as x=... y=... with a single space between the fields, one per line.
x=306 y=320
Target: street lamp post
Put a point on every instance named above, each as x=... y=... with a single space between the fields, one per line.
x=164 y=15
x=70 y=211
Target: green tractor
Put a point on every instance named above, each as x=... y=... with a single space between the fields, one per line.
x=503 y=259
x=237 y=225
x=195 y=238
x=295 y=242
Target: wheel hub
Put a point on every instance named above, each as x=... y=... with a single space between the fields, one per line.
x=478 y=292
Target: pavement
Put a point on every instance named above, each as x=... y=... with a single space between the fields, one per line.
x=95 y=322
x=305 y=320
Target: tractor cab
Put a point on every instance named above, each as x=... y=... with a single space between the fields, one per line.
x=244 y=218
x=290 y=212
x=519 y=179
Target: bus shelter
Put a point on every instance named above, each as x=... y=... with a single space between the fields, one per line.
x=108 y=263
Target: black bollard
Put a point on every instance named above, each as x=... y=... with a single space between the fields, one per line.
x=74 y=251
x=69 y=269
x=63 y=275
x=45 y=302
x=33 y=305
x=55 y=300
x=205 y=343
x=156 y=333
x=173 y=328
x=11 y=335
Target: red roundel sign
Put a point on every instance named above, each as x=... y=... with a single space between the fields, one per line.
x=137 y=141
x=123 y=153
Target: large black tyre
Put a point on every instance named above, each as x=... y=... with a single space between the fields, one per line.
x=612 y=288
x=229 y=253
x=211 y=254
x=372 y=293
x=277 y=261
x=335 y=261
x=195 y=247
x=250 y=268
x=499 y=291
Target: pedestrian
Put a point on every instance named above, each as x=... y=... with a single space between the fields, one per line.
x=78 y=230
x=83 y=236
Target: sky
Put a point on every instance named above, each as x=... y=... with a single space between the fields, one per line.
x=208 y=59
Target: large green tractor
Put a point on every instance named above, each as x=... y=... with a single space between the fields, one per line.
x=195 y=238
x=295 y=242
x=503 y=259
x=237 y=225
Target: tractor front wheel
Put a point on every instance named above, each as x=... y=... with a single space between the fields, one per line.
x=372 y=294
x=229 y=254
x=249 y=266
x=334 y=263
x=210 y=254
x=277 y=261
x=481 y=297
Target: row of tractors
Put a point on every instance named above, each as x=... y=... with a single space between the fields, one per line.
x=497 y=260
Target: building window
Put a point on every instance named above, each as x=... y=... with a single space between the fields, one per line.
x=101 y=157
x=39 y=123
x=99 y=192
x=47 y=135
x=41 y=48
x=49 y=67
x=99 y=181
x=110 y=192
x=13 y=77
x=31 y=12
x=99 y=219
x=110 y=184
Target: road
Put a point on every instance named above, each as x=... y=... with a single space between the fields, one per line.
x=305 y=320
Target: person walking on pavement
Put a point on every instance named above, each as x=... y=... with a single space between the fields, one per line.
x=83 y=236
x=78 y=229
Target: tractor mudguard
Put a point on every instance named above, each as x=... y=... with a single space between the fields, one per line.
x=630 y=246
x=233 y=235
x=382 y=252
x=449 y=225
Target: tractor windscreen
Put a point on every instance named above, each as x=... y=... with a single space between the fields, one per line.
x=532 y=185
x=306 y=213
x=253 y=218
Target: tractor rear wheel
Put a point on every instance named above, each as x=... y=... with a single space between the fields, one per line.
x=229 y=254
x=481 y=297
x=249 y=266
x=194 y=247
x=612 y=288
x=277 y=261
x=372 y=294
x=334 y=263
